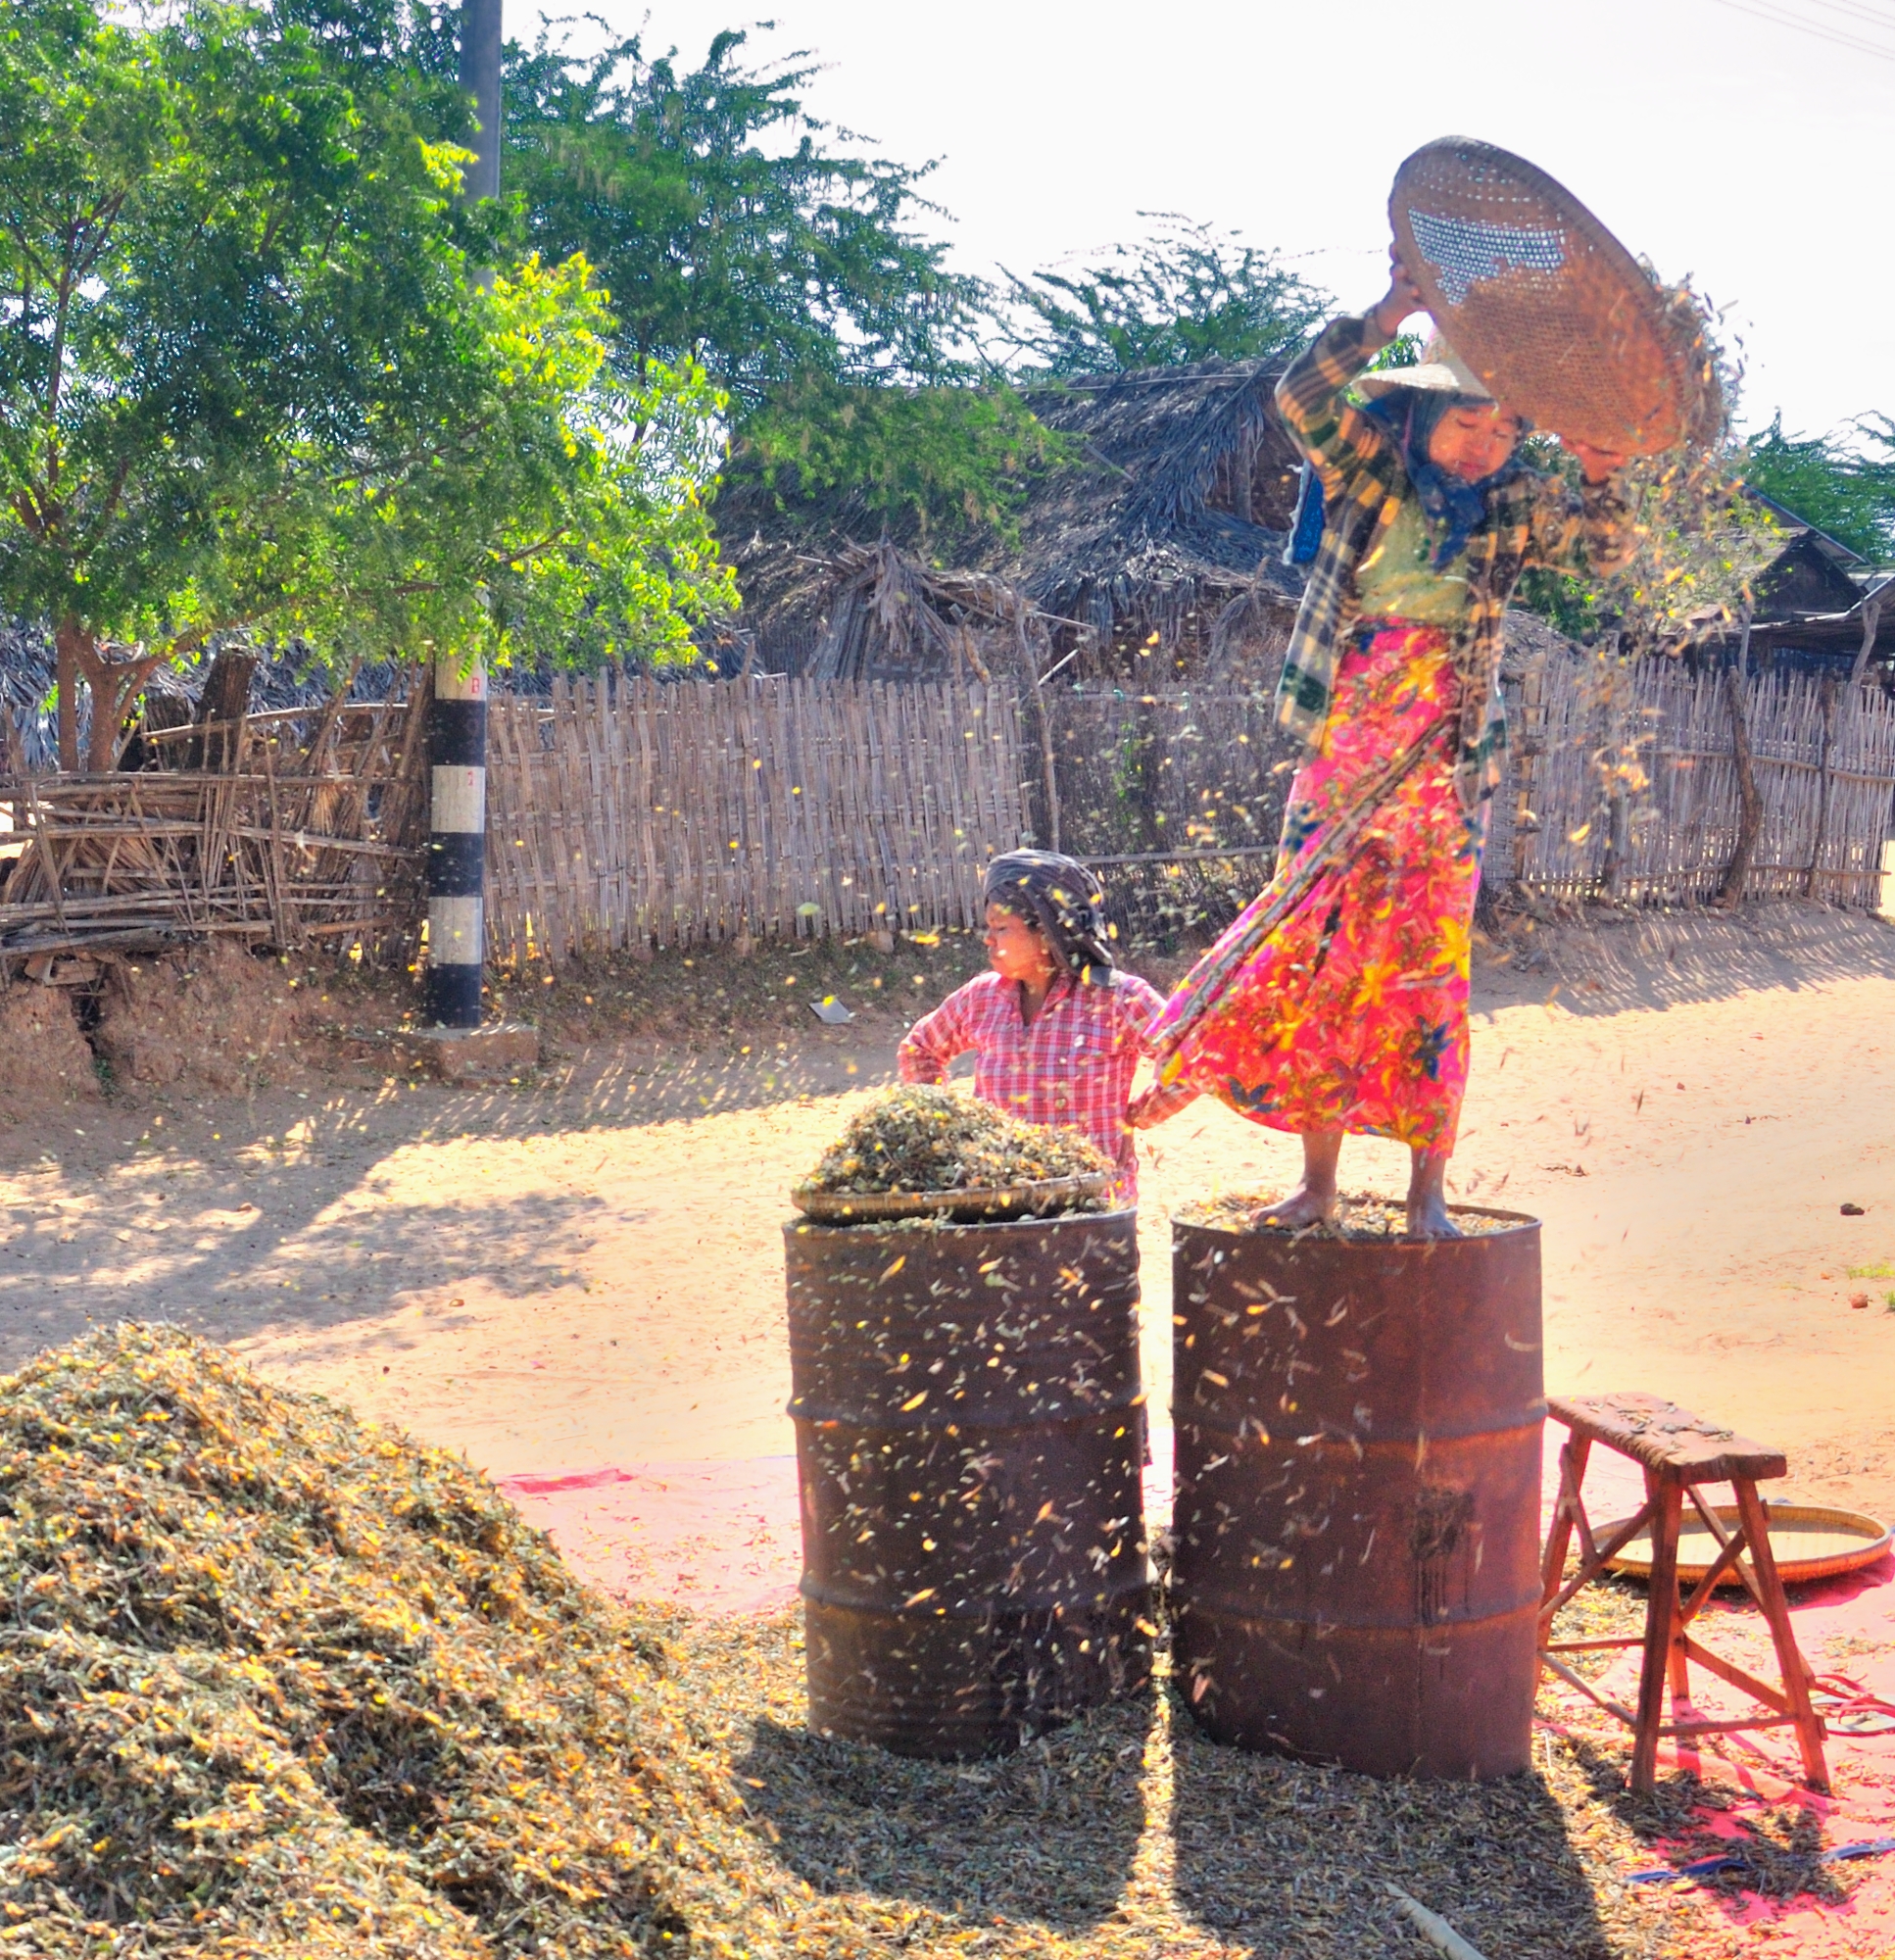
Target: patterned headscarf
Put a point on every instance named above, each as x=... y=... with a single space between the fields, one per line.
x=1064 y=900
x=1410 y=415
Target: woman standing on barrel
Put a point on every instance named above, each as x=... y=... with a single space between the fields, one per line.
x=1351 y=1013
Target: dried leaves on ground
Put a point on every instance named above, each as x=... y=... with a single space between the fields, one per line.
x=1128 y=1836
x=922 y=1138
x=1361 y=1215
x=275 y=1683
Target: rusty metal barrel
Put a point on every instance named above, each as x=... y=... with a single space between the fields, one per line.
x=1355 y=1569
x=970 y=1442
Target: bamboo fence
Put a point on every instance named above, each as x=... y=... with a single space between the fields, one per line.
x=1174 y=797
x=1822 y=759
x=283 y=828
x=626 y=813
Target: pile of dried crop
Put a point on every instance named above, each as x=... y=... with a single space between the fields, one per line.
x=274 y=1681
x=921 y=1138
x=1364 y=1216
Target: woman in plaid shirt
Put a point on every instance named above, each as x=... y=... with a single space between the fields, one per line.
x=1057 y=1029
x=1352 y=1015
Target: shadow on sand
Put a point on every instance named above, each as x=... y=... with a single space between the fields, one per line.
x=1045 y=1836
x=1618 y=961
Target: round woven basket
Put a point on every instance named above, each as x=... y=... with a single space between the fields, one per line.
x=1017 y=1200
x=1544 y=303
x=1807 y=1540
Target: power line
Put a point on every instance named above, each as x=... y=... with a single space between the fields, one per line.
x=1759 y=10
x=1876 y=16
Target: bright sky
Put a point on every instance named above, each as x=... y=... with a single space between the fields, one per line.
x=1746 y=143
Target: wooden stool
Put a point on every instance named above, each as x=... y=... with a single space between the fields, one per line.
x=1679 y=1452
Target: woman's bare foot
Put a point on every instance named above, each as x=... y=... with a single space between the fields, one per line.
x=1428 y=1218
x=1302 y=1207
x=1427 y=1197
x=1313 y=1201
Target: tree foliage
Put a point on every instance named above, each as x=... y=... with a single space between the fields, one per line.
x=944 y=459
x=731 y=226
x=1843 y=483
x=1186 y=293
x=549 y=509
x=736 y=232
x=245 y=378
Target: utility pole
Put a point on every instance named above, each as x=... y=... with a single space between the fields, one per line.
x=480 y=43
x=459 y=1046
x=456 y=928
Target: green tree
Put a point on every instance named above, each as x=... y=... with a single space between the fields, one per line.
x=1843 y=483
x=942 y=460
x=245 y=378
x=544 y=510
x=1186 y=293
x=729 y=227
x=735 y=231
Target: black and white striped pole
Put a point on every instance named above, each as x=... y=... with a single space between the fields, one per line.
x=456 y=936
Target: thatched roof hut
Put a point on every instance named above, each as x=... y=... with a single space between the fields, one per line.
x=1818 y=606
x=1156 y=553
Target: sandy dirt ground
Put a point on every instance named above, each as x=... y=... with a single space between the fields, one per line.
x=586 y=1269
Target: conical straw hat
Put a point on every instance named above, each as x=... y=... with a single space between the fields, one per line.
x=1439 y=371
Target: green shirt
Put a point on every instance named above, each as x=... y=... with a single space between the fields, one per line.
x=1396 y=578
x=1532 y=520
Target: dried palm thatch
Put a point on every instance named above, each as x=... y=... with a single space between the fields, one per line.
x=1178 y=528
x=1162 y=536
x=891 y=617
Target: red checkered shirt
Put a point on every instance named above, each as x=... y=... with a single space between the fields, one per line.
x=1072 y=1066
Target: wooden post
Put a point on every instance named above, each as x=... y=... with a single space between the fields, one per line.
x=1872 y=620
x=1667 y=1498
x=1824 y=757
x=1029 y=658
x=1754 y=1516
x=1617 y=804
x=1532 y=745
x=1750 y=803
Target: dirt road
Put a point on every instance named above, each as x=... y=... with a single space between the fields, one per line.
x=588 y=1271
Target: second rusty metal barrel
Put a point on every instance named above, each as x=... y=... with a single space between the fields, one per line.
x=1358 y=1425
x=971 y=1441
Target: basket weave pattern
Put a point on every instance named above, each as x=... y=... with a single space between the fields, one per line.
x=1540 y=299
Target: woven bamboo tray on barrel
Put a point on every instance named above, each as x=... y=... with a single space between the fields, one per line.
x=1808 y=1542
x=1544 y=303
x=1016 y=1200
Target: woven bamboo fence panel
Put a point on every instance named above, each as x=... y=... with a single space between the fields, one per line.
x=284 y=828
x=1173 y=797
x=1822 y=760
x=628 y=812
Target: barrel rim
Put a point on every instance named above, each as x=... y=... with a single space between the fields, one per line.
x=1524 y=1222
x=812 y=1227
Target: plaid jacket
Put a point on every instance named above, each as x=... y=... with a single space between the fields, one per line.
x=1072 y=1066
x=1532 y=520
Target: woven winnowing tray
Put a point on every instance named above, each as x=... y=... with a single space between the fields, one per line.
x=1542 y=301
